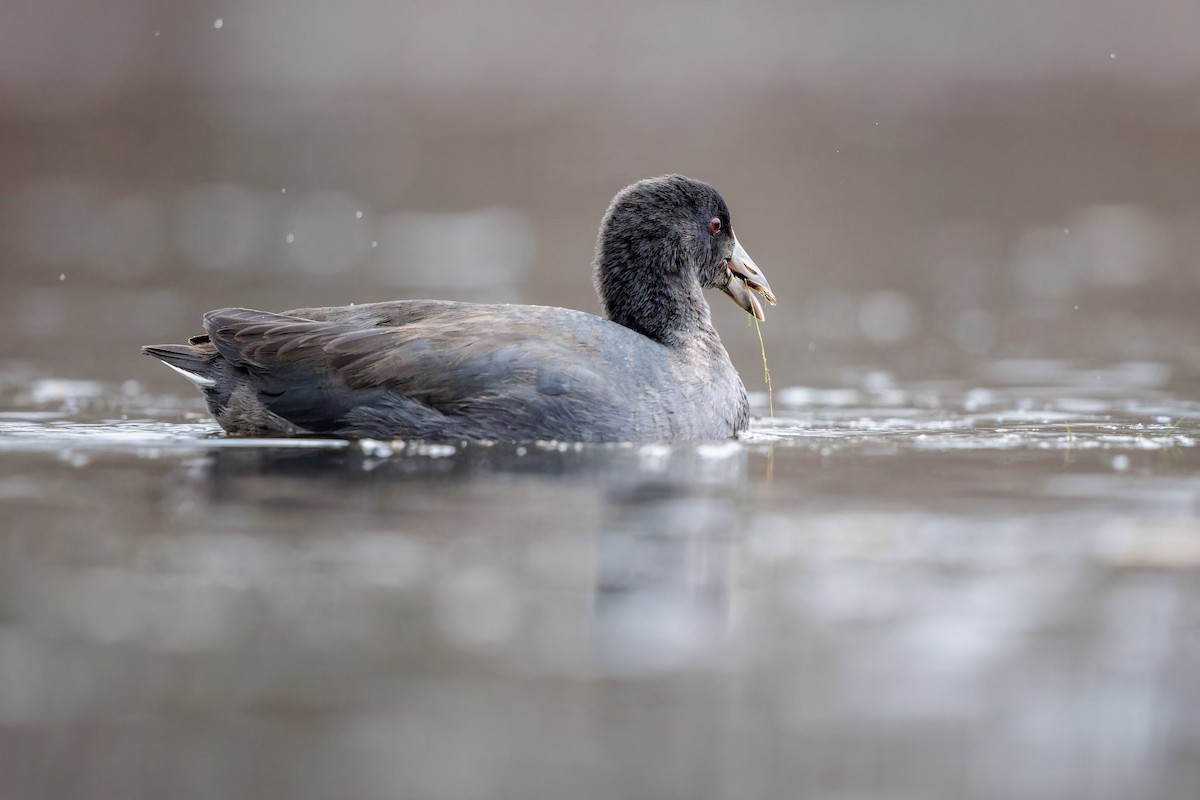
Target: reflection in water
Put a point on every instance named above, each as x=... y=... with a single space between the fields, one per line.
x=891 y=589
x=664 y=574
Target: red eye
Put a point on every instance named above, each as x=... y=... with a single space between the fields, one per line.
x=714 y=225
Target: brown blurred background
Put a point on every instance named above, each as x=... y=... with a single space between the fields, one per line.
x=927 y=183
x=942 y=591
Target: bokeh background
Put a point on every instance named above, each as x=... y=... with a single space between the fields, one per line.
x=927 y=183
x=961 y=562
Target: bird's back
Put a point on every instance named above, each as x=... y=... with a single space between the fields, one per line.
x=444 y=370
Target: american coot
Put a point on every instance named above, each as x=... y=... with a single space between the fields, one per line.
x=653 y=368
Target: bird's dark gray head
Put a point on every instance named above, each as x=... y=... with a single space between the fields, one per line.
x=662 y=241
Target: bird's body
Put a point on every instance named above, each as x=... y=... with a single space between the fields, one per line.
x=428 y=369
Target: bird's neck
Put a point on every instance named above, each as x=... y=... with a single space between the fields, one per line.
x=663 y=301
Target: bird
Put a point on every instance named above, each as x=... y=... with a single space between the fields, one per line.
x=652 y=368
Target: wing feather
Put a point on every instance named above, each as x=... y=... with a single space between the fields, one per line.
x=443 y=358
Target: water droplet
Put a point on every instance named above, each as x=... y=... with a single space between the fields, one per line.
x=283 y=190
x=435 y=450
x=358 y=215
x=291 y=237
x=62 y=276
x=219 y=23
x=1120 y=463
x=374 y=244
x=375 y=448
x=1112 y=55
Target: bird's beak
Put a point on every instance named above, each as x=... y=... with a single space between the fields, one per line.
x=745 y=275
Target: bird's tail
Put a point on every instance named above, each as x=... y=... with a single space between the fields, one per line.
x=189 y=361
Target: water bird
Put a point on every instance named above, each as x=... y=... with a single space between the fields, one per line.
x=652 y=368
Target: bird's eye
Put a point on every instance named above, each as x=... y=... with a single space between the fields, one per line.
x=714 y=225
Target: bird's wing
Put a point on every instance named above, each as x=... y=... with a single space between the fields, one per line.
x=442 y=361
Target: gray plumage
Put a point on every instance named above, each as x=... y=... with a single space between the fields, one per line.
x=653 y=369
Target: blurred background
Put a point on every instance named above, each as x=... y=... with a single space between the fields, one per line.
x=961 y=562
x=926 y=182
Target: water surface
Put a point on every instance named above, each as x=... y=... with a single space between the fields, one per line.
x=886 y=588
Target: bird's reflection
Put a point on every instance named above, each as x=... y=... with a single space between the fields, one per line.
x=664 y=576
x=657 y=528
x=640 y=476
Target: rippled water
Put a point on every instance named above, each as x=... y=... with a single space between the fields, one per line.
x=884 y=589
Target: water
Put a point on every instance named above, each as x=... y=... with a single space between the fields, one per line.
x=892 y=588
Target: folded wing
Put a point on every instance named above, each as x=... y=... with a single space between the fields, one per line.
x=422 y=369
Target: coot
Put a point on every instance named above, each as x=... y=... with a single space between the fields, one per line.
x=653 y=368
